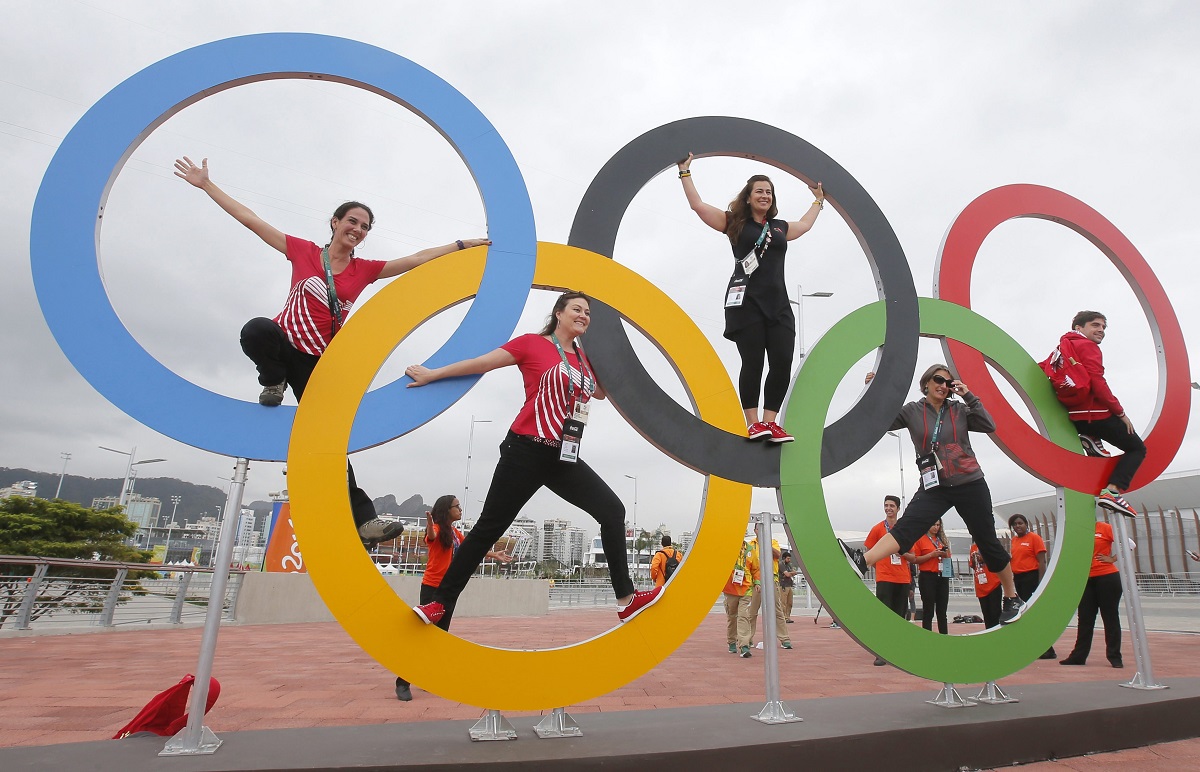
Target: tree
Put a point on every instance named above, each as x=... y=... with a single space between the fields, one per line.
x=61 y=529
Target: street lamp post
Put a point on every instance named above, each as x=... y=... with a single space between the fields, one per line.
x=126 y=488
x=637 y=553
x=799 y=304
x=65 y=457
x=171 y=525
x=212 y=550
x=900 y=456
x=470 y=445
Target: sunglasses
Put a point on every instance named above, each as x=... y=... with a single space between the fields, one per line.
x=939 y=380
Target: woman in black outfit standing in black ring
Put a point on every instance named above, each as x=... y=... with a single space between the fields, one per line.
x=758 y=314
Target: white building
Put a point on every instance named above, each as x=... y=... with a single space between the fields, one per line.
x=26 y=489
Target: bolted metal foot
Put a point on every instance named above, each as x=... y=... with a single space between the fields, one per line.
x=949 y=697
x=776 y=713
x=992 y=694
x=492 y=726
x=206 y=744
x=557 y=723
x=1139 y=681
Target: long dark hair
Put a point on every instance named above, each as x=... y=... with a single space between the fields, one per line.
x=739 y=208
x=560 y=305
x=440 y=516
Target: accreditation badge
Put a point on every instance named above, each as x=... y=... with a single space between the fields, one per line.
x=749 y=263
x=735 y=294
x=739 y=575
x=580 y=411
x=572 y=435
x=928 y=465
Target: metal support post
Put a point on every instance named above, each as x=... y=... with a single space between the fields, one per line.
x=195 y=738
x=558 y=723
x=774 y=712
x=492 y=726
x=949 y=697
x=1144 y=677
x=992 y=694
x=114 y=594
x=185 y=579
x=32 y=586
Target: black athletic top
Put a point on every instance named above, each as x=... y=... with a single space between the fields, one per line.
x=766 y=292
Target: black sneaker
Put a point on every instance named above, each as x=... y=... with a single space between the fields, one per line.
x=1011 y=610
x=272 y=396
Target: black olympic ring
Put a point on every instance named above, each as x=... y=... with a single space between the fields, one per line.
x=657 y=417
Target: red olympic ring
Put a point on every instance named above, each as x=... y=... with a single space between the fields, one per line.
x=1051 y=463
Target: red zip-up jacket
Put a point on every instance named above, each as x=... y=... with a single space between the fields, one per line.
x=1101 y=402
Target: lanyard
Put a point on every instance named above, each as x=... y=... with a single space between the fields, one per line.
x=765 y=236
x=335 y=308
x=583 y=376
x=937 y=427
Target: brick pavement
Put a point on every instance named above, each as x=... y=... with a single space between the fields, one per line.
x=72 y=688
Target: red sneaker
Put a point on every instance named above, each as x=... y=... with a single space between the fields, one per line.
x=431 y=613
x=757 y=431
x=641 y=601
x=778 y=434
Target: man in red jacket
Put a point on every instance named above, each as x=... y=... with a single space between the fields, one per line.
x=1100 y=418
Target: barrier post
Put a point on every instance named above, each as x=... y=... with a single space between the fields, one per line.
x=774 y=712
x=1144 y=677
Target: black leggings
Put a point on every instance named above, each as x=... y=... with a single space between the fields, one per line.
x=1103 y=594
x=278 y=361
x=524 y=468
x=935 y=597
x=775 y=342
x=973 y=501
x=1113 y=431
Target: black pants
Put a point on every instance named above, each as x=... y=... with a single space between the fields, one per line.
x=444 y=623
x=973 y=501
x=524 y=468
x=775 y=342
x=989 y=605
x=1026 y=582
x=278 y=361
x=894 y=596
x=1133 y=451
x=1103 y=594
x=935 y=597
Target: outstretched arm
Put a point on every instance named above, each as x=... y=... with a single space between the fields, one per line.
x=401 y=264
x=804 y=224
x=708 y=214
x=197 y=176
x=492 y=360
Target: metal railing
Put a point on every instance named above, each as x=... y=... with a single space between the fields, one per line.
x=51 y=593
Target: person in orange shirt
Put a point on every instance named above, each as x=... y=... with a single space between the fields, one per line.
x=756 y=596
x=442 y=538
x=1101 y=593
x=987 y=589
x=892 y=576
x=737 y=602
x=931 y=553
x=658 y=566
x=1028 y=563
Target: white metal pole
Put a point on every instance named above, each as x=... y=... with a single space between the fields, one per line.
x=65 y=457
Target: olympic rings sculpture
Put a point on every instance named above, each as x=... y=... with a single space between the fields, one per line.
x=331 y=421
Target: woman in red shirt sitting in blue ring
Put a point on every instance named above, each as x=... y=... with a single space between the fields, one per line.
x=541 y=450
x=442 y=539
x=758 y=314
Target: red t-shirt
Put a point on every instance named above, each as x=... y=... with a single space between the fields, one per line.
x=547 y=400
x=439 y=556
x=886 y=570
x=1025 y=551
x=924 y=546
x=985 y=580
x=305 y=317
x=1103 y=546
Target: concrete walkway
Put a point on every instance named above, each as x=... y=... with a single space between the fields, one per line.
x=74 y=688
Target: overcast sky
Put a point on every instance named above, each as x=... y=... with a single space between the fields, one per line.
x=928 y=105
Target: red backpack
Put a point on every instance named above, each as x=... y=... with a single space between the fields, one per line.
x=1071 y=381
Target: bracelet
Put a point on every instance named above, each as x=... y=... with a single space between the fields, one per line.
x=685 y=173
x=820 y=204
x=460 y=244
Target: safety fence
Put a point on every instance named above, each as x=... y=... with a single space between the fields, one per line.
x=52 y=593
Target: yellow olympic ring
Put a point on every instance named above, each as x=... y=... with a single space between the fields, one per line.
x=380 y=621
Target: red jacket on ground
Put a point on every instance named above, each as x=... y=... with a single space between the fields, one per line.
x=1100 y=403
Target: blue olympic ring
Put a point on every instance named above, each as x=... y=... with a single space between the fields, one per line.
x=70 y=204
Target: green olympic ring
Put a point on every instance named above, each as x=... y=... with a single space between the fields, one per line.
x=978 y=657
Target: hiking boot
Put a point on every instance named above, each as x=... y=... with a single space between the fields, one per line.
x=378 y=530
x=1011 y=610
x=431 y=612
x=272 y=396
x=641 y=601
x=757 y=431
x=744 y=652
x=403 y=692
x=1116 y=503
x=778 y=434
x=786 y=644
x=733 y=648
x=1093 y=446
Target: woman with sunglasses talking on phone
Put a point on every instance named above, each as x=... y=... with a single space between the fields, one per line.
x=950 y=477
